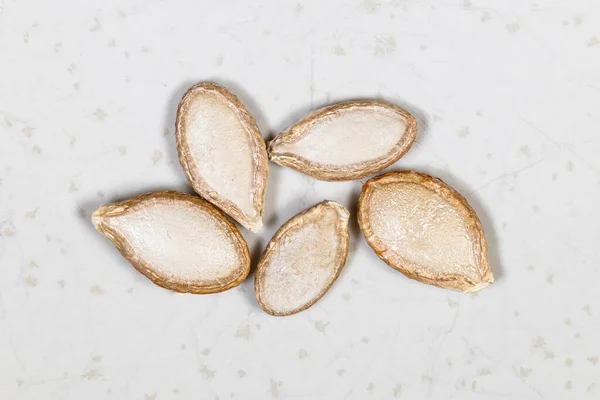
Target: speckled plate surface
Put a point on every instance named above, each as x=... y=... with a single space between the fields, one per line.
x=506 y=99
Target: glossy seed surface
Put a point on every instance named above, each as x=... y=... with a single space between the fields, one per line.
x=178 y=241
x=346 y=141
x=303 y=259
x=222 y=152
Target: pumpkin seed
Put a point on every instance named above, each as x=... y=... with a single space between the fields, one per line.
x=303 y=259
x=346 y=141
x=425 y=229
x=222 y=152
x=178 y=241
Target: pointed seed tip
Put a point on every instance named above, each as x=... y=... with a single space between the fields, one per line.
x=256 y=226
x=479 y=286
x=97 y=216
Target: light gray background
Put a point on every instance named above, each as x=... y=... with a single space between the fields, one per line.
x=507 y=95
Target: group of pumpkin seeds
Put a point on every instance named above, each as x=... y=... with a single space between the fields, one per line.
x=415 y=223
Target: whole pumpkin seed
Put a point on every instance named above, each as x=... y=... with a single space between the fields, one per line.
x=222 y=152
x=178 y=241
x=346 y=141
x=425 y=229
x=303 y=259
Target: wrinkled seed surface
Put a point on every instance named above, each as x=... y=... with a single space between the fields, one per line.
x=422 y=227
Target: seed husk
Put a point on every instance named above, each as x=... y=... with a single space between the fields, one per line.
x=346 y=141
x=222 y=152
x=303 y=259
x=425 y=229
x=180 y=242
